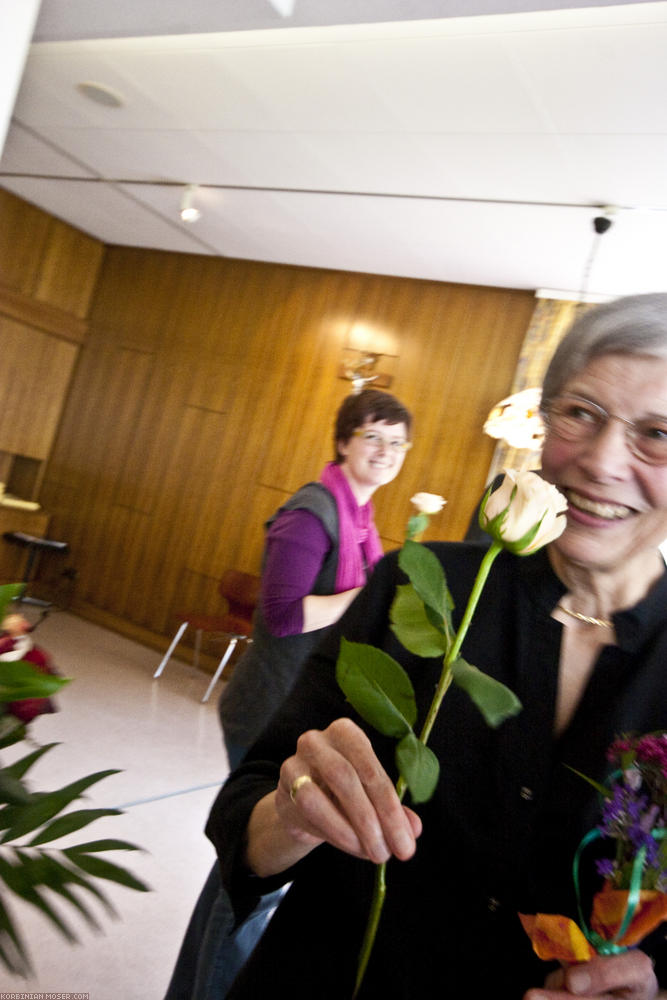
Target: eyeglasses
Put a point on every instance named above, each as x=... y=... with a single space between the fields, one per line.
x=375 y=440
x=574 y=418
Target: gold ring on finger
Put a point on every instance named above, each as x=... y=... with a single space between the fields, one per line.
x=298 y=783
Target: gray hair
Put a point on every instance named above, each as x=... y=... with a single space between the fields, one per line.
x=635 y=324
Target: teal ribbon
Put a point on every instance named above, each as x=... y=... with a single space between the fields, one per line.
x=602 y=945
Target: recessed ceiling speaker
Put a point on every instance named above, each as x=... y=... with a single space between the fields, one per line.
x=101 y=94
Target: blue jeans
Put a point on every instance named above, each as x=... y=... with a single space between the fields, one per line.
x=213 y=952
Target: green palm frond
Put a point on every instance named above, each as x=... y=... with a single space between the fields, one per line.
x=58 y=881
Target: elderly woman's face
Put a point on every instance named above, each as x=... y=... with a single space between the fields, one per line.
x=617 y=503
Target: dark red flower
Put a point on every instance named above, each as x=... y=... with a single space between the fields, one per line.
x=29 y=708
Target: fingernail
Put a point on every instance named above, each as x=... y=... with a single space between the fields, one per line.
x=381 y=855
x=379 y=852
x=579 y=981
x=405 y=845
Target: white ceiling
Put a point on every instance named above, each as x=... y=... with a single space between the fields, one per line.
x=475 y=149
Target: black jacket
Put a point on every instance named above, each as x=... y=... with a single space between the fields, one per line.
x=501 y=830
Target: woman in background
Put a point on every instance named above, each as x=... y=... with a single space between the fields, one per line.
x=321 y=547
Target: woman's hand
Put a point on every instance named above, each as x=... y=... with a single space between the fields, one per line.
x=629 y=976
x=322 y=610
x=350 y=803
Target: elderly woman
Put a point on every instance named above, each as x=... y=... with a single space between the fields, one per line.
x=578 y=631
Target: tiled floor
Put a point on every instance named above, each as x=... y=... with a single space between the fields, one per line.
x=169 y=749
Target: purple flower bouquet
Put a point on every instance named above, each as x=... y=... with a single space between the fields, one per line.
x=633 y=901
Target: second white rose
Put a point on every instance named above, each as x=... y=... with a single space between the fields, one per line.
x=428 y=503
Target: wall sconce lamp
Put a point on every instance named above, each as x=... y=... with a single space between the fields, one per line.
x=360 y=368
x=516 y=420
x=189 y=211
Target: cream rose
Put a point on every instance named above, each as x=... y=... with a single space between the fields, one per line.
x=428 y=503
x=524 y=513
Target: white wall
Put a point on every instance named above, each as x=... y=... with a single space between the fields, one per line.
x=17 y=23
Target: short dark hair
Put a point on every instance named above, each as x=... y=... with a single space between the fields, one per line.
x=368 y=405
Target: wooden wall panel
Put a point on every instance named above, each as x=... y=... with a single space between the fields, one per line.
x=23 y=236
x=13 y=558
x=70 y=266
x=205 y=394
x=48 y=273
x=34 y=378
x=139 y=296
x=46 y=259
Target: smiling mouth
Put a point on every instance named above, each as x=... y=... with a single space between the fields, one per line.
x=608 y=511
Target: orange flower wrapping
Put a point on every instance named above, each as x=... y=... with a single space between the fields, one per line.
x=556 y=937
x=609 y=907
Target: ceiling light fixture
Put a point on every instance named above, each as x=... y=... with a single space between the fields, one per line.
x=189 y=212
x=283 y=7
x=101 y=94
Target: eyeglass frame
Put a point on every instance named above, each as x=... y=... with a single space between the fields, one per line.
x=400 y=447
x=632 y=427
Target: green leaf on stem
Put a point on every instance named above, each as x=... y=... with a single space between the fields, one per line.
x=70 y=822
x=521 y=545
x=100 y=868
x=494 y=525
x=662 y=857
x=494 y=700
x=46 y=870
x=108 y=844
x=417 y=524
x=602 y=789
x=13 y=952
x=411 y=624
x=418 y=766
x=12 y=730
x=8 y=593
x=30 y=873
x=21 y=767
x=21 y=880
x=19 y=820
x=425 y=573
x=12 y=790
x=20 y=680
x=377 y=687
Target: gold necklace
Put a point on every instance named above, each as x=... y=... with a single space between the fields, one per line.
x=602 y=622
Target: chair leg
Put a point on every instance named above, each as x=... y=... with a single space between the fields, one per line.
x=221 y=666
x=174 y=643
x=23 y=598
x=195 y=658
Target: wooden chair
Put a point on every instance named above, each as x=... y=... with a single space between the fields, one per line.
x=241 y=591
